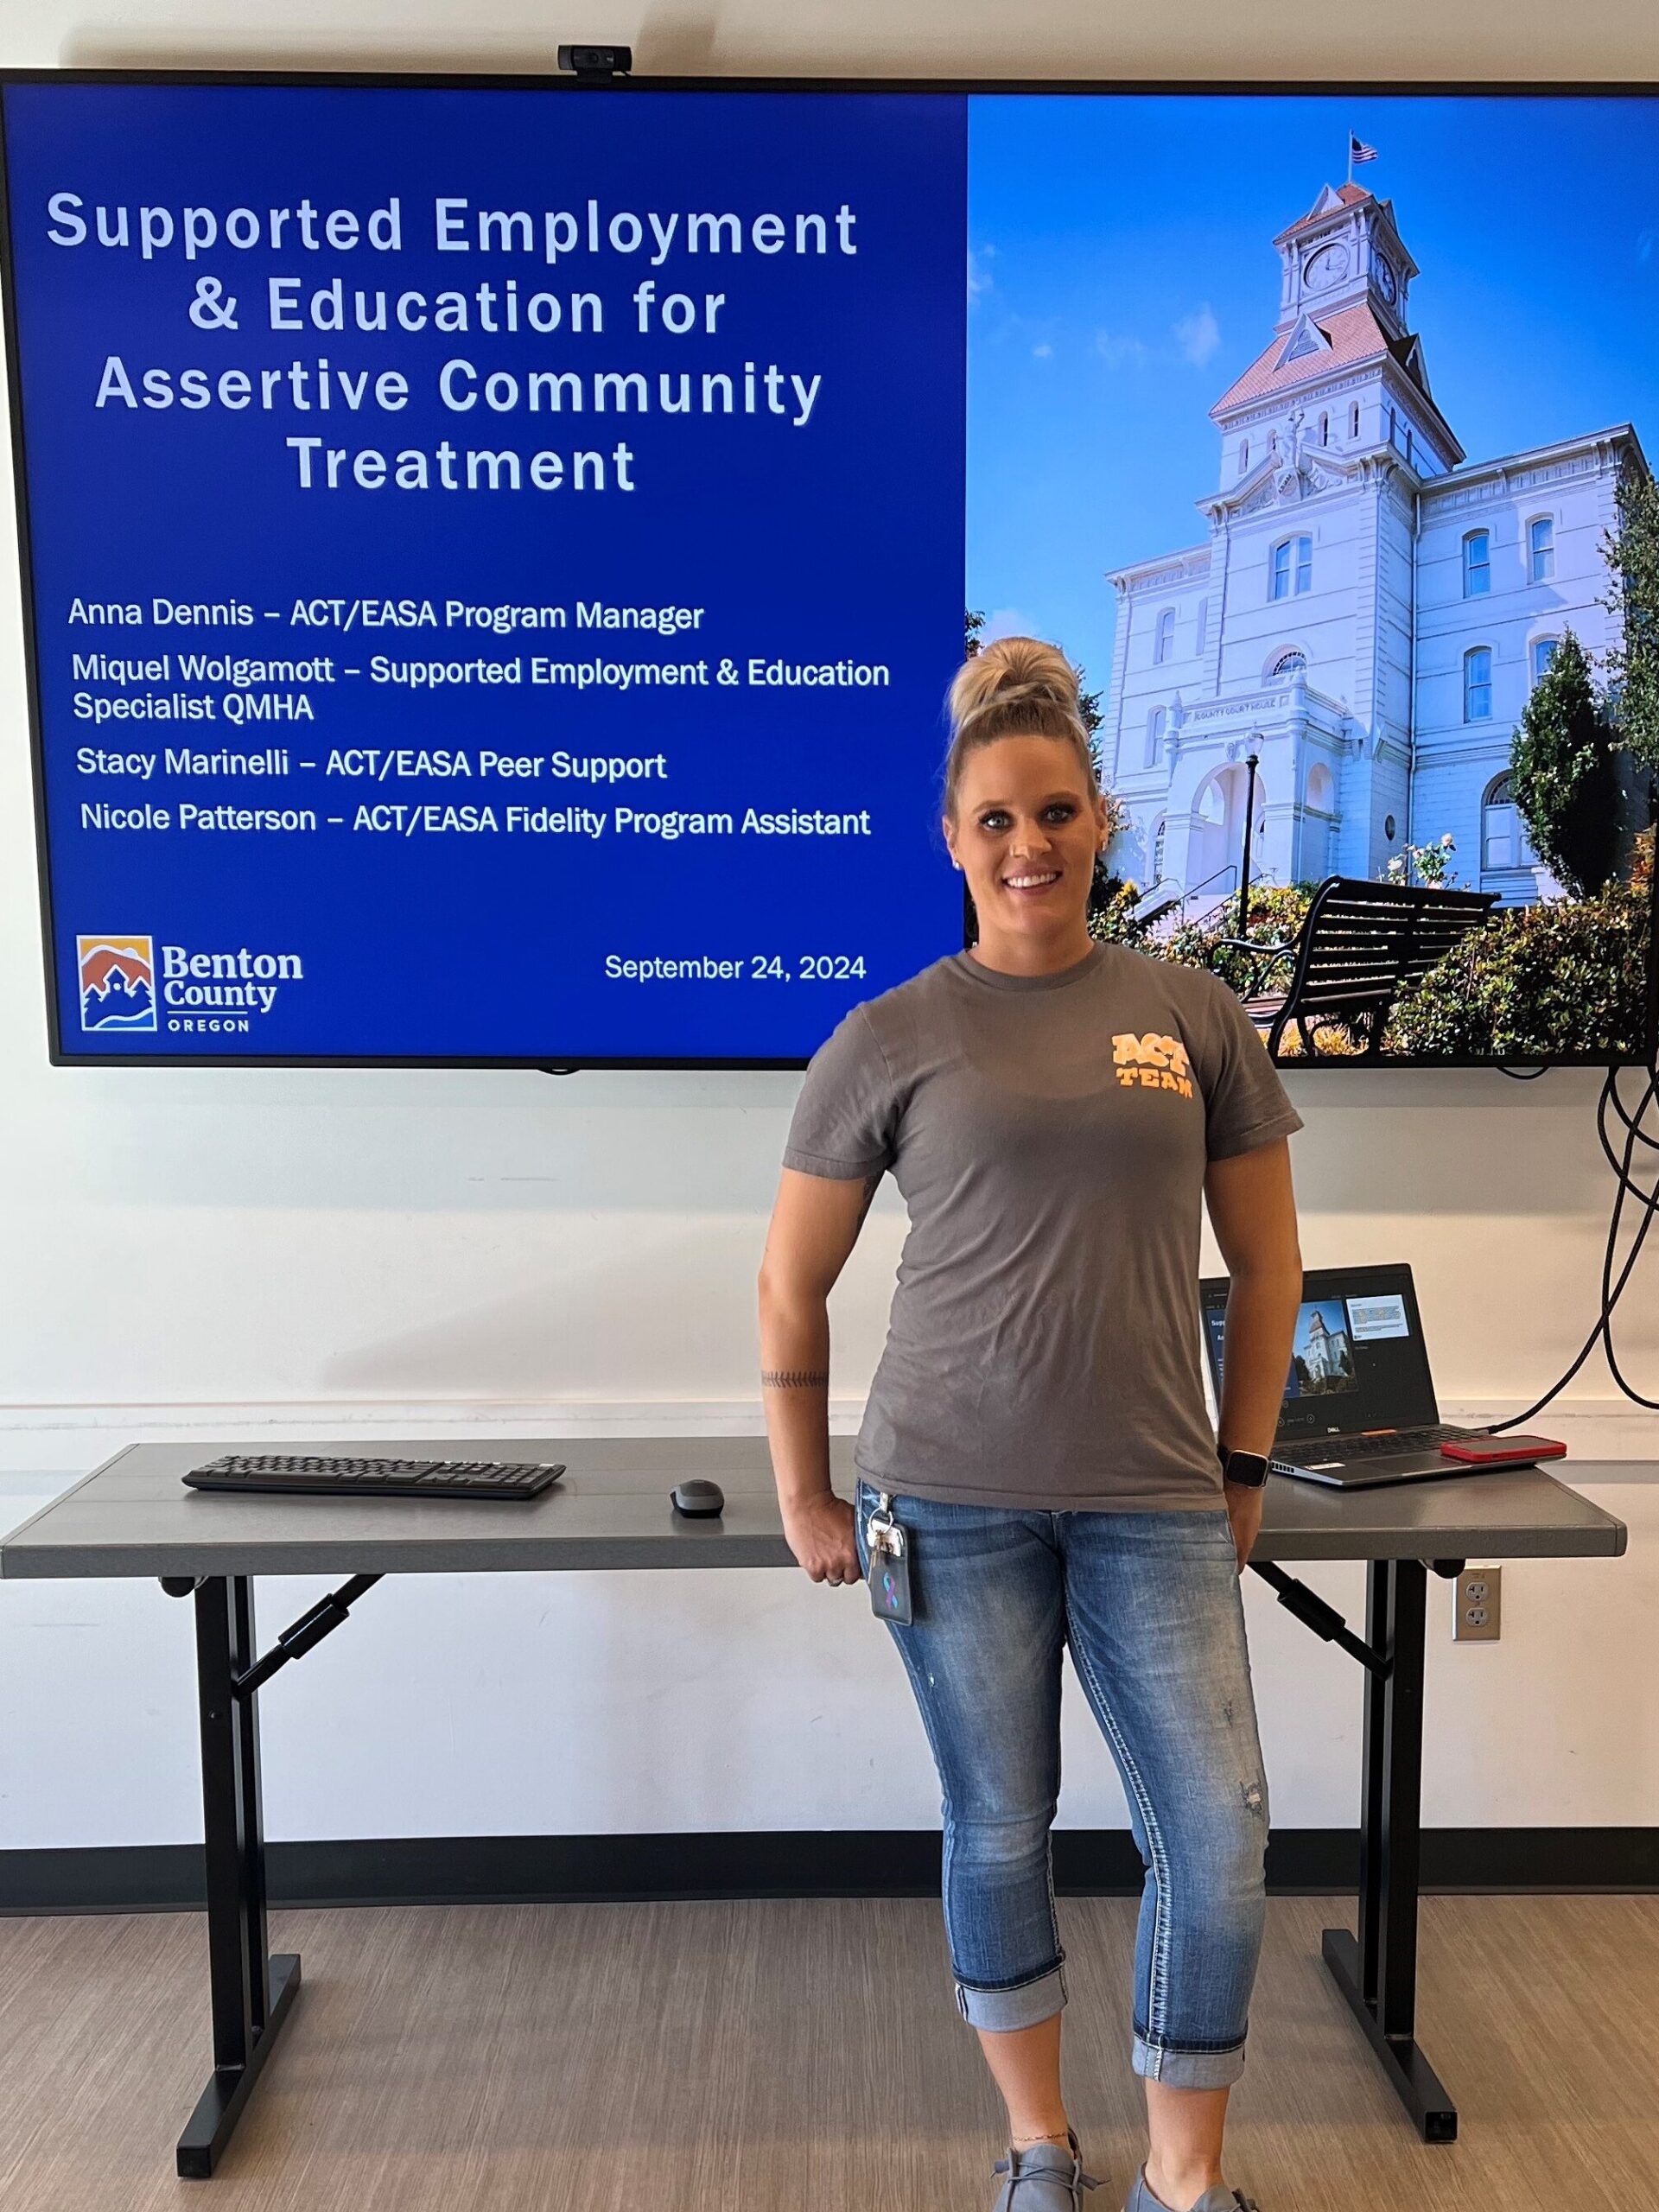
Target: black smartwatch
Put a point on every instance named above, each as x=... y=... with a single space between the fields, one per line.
x=1248 y=1469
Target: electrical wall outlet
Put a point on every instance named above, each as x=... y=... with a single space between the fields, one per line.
x=1477 y=1605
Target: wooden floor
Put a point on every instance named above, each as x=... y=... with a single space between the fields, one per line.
x=692 y=2057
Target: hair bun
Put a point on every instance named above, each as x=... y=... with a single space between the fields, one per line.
x=1017 y=687
x=1011 y=671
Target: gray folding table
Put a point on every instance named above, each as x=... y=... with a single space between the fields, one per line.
x=132 y=1517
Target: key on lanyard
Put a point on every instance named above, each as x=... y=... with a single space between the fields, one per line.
x=881 y=1532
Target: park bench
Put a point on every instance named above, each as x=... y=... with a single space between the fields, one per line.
x=1359 y=946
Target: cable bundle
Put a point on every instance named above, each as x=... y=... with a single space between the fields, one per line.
x=1620 y=1156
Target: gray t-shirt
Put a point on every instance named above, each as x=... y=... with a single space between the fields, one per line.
x=1050 y=1136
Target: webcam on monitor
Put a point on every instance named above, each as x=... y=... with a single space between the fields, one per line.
x=597 y=60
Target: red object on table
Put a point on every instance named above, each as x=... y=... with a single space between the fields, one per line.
x=1478 y=1449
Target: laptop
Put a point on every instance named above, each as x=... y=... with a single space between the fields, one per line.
x=1359 y=1407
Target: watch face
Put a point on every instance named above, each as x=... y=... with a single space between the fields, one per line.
x=1248 y=1469
x=1385 y=283
x=1326 y=267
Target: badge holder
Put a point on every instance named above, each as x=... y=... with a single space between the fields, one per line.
x=889 y=1570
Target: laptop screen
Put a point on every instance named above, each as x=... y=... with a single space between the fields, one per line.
x=1358 y=1361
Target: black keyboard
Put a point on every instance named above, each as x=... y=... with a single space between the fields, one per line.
x=317 y=1475
x=1309 y=1451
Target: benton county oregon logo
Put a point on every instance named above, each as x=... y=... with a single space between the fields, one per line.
x=117 y=982
x=130 y=983
x=1155 y=1063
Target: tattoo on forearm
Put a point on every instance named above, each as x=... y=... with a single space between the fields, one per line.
x=794 y=1378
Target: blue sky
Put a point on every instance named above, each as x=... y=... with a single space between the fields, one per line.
x=1122 y=274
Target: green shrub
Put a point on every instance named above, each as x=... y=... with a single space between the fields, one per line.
x=1632 y=552
x=1564 y=772
x=1563 y=978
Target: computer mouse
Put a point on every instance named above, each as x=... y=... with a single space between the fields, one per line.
x=698 y=1499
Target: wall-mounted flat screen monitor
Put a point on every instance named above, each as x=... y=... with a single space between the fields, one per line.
x=494 y=552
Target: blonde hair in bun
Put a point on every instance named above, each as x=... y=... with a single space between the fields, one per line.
x=1017 y=687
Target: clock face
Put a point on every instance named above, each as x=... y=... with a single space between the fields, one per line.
x=1385 y=281
x=1326 y=267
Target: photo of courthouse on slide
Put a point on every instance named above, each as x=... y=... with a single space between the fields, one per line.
x=1314 y=430
x=1322 y=1353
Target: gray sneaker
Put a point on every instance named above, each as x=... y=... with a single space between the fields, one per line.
x=1218 y=2199
x=1049 y=2177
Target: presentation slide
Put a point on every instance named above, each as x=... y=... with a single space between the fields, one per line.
x=496 y=561
x=496 y=555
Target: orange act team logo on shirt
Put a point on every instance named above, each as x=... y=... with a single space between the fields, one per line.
x=1154 y=1062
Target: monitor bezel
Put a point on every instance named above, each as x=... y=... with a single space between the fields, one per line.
x=489 y=81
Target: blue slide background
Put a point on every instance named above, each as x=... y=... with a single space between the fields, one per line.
x=841 y=540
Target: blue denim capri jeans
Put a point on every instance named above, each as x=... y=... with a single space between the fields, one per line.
x=1149 y=1604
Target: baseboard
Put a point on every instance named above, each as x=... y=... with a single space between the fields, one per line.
x=829 y=1863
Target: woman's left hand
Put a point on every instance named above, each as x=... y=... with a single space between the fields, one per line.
x=1244 y=1511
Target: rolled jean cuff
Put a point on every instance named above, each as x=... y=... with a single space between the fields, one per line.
x=1022 y=2006
x=1188 y=2070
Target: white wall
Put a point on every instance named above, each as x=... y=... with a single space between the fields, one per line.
x=239 y=1253
x=1529 y=39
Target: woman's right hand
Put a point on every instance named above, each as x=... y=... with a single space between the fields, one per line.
x=820 y=1534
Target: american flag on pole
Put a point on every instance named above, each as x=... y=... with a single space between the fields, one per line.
x=1359 y=151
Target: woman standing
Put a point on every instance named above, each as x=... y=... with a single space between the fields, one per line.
x=1035 y=1463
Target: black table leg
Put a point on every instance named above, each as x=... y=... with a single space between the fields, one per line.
x=1377 y=1973
x=252 y=1992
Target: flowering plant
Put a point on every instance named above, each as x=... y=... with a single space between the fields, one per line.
x=1430 y=864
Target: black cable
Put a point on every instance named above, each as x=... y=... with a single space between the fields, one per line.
x=1610 y=1292
x=1620 y=1108
x=1626 y=1188
x=1649 y=1202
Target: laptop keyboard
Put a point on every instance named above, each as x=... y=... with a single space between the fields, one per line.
x=1311 y=1451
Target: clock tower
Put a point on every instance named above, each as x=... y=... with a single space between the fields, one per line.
x=1344 y=252
x=1330 y=660
x=1342 y=371
x=1327 y=441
